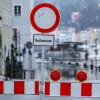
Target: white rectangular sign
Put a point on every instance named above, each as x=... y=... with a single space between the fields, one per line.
x=43 y=40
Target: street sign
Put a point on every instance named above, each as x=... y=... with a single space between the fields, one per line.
x=28 y=45
x=45 y=17
x=43 y=40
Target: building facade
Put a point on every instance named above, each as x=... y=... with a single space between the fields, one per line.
x=21 y=10
x=6 y=32
x=21 y=19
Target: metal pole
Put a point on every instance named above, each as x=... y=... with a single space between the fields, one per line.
x=19 y=48
x=23 y=67
x=24 y=52
x=30 y=63
x=12 y=59
x=42 y=65
x=11 y=66
x=33 y=61
x=42 y=73
x=96 y=52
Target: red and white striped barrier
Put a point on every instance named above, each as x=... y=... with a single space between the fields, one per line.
x=19 y=87
x=72 y=89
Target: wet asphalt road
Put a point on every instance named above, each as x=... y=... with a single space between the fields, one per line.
x=32 y=97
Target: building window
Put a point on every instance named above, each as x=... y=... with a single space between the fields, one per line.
x=17 y=10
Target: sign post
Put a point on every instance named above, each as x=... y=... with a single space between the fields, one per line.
x=29 y=46
x=42 y=65
x=44 y=18
x=43 y=40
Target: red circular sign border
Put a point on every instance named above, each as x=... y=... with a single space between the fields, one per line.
x=48 y=5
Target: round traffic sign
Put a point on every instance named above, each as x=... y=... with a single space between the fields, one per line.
x=45 y=17
x=55 y=75
x=81 y=75
x=28 y=45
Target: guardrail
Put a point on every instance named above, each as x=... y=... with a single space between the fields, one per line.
x=70 y=88
x=19 y=87
x=73 y=89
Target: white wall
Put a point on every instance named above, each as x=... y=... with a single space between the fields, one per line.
x=6 y=28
